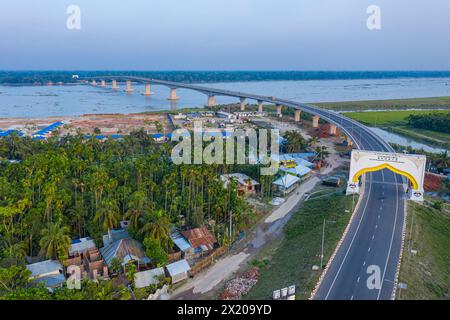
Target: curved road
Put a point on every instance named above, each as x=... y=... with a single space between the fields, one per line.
x=374 y=237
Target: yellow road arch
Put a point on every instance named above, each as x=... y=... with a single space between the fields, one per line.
x=414 y=182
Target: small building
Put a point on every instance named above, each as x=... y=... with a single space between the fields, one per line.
x=84 y=254
x=146 y=278
x=178 y=271
x=79 y=246
x=299 y=171
x=246 y=185
x=226 y=115
x=121 y=246
x=333 y=181
x=182 y=244
x=286 y=184
x=200 y=239
x=49 y=272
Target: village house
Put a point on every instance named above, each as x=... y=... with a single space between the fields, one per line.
x=285 y=184
x=119 y=245
x=246 y=185
x=84 y=253
x=180 y=242
x=178 y=271
x=146 y=278
x=49 y=272
x=200 y=239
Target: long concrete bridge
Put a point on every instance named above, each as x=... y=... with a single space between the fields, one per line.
x=374 y=236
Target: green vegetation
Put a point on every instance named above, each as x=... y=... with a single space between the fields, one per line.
x=70 y=187
x=394 y=104
x=384 y=118
x=436 y=121
x=420 y=125
x=427 y=273
x=292 y=261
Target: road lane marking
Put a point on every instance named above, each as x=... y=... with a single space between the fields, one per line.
x=351 y=242
x=392 y=239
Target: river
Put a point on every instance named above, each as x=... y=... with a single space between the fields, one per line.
x=44 y=101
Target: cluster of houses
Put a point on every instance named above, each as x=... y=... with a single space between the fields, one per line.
x=118 y=247
x=294 y=168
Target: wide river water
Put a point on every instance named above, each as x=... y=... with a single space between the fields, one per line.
x=44 y=101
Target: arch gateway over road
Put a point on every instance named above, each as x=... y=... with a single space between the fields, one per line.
x=374 y=236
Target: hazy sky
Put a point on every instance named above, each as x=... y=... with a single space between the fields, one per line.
x=225 y=35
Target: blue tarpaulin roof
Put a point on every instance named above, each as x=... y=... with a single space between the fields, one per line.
x=50 y=128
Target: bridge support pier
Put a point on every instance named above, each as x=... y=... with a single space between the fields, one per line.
x=333 y=129
x=129 y=88
x=211 y=101
x=147 y=90
x=315 y=122
x=297 y=115
x=242 y=102
x=103 y=84
x=114 y=85
x=260 y=106
x=279 y=108
x=173 y=94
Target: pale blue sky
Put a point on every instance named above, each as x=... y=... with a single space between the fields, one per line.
x=225 y=35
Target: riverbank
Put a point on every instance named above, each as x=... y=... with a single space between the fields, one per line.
x=390 y=104
x=396 y=122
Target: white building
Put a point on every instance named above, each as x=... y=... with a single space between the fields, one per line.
x=178 y=271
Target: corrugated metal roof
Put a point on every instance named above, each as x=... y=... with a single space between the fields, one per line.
x=200 y=236
x=145 y=278
x=298 y=170
x=286 y=181
x=180 y=241
x=44 y=267
x=178 y=267
x=124 y=249
x=81 y=245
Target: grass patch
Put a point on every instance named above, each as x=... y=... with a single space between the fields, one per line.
x=393 y=104
x=300 y=249
x=384 y=118
x=427 y=274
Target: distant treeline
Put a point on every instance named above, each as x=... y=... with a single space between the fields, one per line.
x=432 y=121
x=30 y=77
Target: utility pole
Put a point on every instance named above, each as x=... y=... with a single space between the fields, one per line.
x=323 y=241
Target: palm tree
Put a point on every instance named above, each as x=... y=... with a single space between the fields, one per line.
x=107 y=214
x=156 y=225
x=136 y=208
x=313 y=141
x=55 y=241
